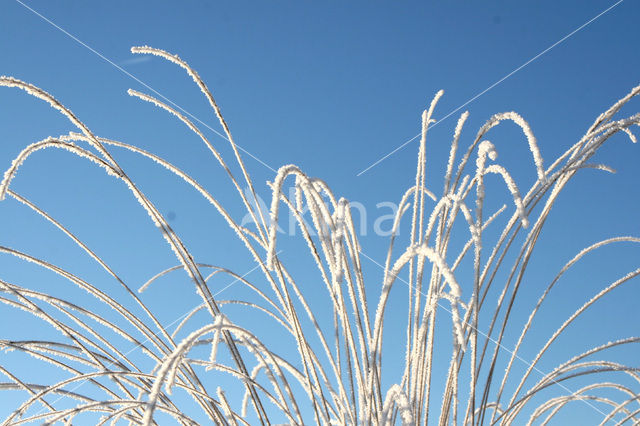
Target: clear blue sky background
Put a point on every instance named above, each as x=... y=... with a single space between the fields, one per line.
x=331 y=87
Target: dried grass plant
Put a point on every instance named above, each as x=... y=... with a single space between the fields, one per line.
x=333 y=375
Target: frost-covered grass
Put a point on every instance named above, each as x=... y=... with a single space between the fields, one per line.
x=328 y=374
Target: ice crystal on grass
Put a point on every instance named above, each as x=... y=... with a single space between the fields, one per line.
x=332 y=368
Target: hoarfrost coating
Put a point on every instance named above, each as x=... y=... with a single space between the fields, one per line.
x=327 y=366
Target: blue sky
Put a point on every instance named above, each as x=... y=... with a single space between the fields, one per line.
x=331 y=87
